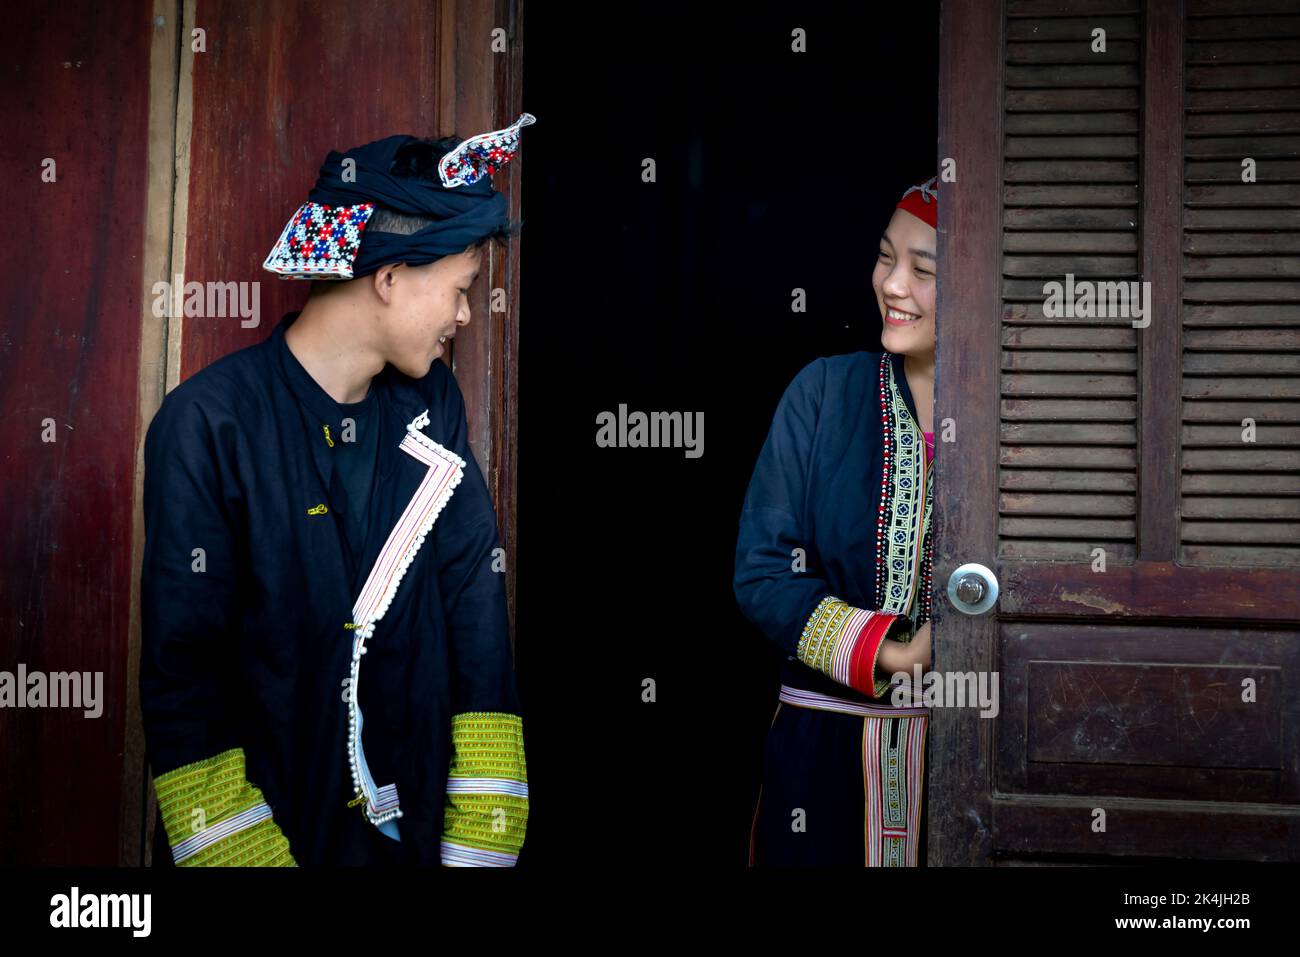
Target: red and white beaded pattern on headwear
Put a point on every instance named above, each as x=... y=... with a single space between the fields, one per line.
x=923 y=202
x=319 y=242
x=482 y=155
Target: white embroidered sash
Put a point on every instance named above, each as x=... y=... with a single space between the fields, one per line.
x=446 y=469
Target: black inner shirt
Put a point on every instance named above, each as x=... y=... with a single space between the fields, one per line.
x=351 y=432
x=355 y=451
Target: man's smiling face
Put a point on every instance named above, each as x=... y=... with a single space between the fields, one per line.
x=427 y=306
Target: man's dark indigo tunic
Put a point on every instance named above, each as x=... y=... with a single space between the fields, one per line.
x=262 y=526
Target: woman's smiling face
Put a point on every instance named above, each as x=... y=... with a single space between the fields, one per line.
x=904 y=281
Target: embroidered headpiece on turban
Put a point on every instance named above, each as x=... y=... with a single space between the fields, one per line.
x=923 y=201
x=326 y=237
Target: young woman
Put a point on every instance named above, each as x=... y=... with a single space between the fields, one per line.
x=833 y=563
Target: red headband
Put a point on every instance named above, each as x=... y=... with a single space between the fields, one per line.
x=923 y=202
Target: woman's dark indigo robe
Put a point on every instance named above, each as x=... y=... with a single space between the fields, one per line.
x=832 y=558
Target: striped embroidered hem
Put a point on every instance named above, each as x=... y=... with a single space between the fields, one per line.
x=458 y=855
x=490 y=821
x=823 y=702
x=386 y=798
x=893 y=782
x=486 y=786
x=261 y=845
x=210 y=835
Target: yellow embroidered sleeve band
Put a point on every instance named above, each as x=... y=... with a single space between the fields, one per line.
x=487 y=791
x=844 y=642
x=215 y=817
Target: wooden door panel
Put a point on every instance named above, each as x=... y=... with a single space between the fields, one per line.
x=1149 y=590
x=1138 y=830
x=1147 y=712
x=1145 y=550
x=1239 y=501
x=77 y=97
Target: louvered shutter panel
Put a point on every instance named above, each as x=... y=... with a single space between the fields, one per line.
x=1240 y=499
x=1068 y=460
x=1157 y=685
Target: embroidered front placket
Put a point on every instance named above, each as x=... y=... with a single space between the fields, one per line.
x=445 y=470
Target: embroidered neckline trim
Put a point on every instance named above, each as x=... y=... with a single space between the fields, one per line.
x=903 y=522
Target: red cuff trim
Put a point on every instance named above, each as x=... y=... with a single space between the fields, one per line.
x=866 y=651
x=843 y=642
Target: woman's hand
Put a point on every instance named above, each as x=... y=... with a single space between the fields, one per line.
x=898 y=656
x=919 y=648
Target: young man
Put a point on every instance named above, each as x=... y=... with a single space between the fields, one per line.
x=311 y=503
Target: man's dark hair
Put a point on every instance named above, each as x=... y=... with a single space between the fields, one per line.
x=419 y=159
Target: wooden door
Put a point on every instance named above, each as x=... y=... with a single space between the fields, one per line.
x=76 y=123
x=1132 y=481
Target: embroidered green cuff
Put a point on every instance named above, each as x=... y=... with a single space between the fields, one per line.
x=487 y=791
x=214 y=817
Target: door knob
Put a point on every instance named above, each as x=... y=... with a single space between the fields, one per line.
x=973 y=589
